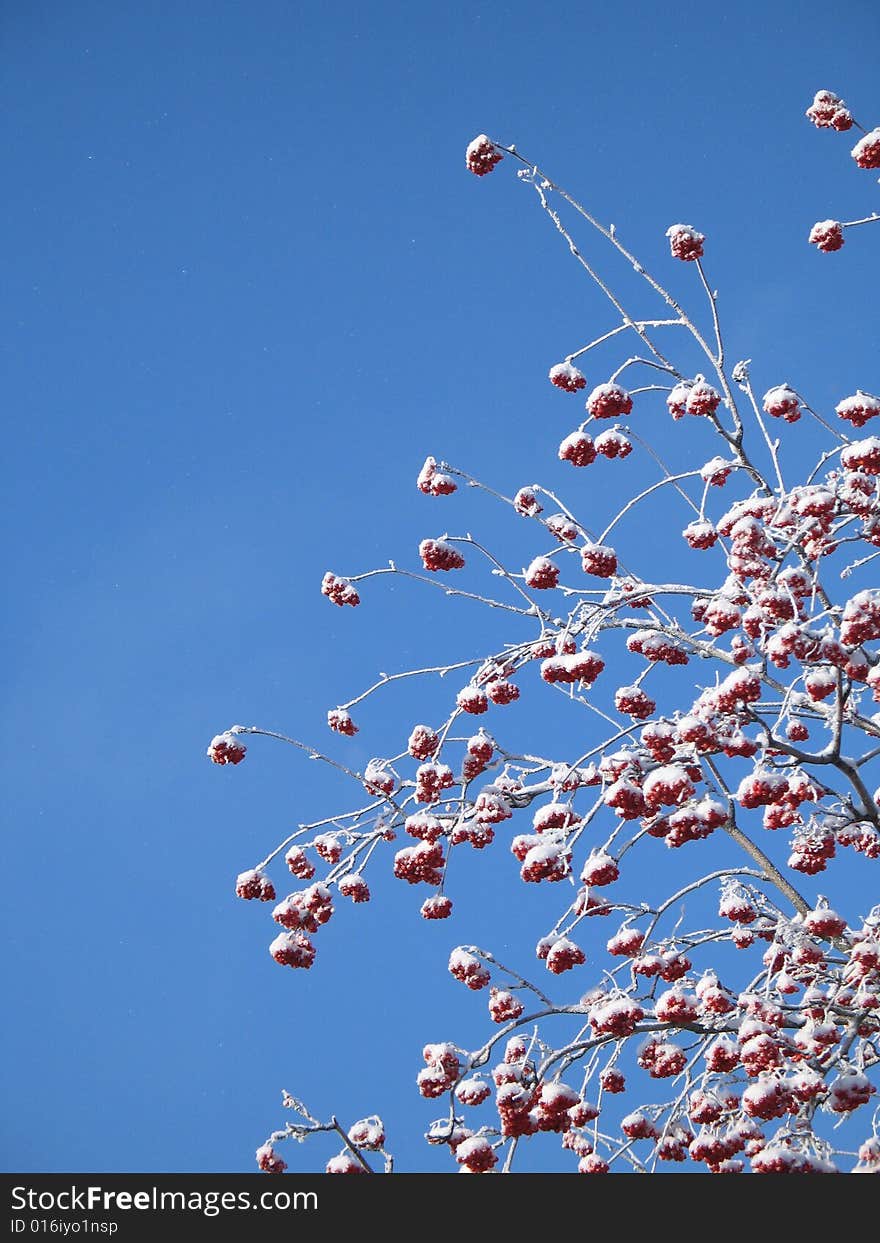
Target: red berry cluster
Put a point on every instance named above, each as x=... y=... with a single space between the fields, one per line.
x=339 y=590
x=482 y=155
x=685 y=242
x=437 y=554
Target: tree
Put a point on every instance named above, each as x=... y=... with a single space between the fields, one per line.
x=734 y=1021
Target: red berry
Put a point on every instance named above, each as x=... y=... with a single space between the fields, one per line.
x=465 y=967
x=700 y=535
x=269 y=1161
x=225 y=748
x=598 y=560
x=613 y=444
x=859 y=408
x=299 y=864
x=473 y=1091
x=578 y=448
x=503 y=1005
x=702 y=398
x=612 y=1081
x=542 y=573
x=433 y=482
x=526 y=503
x=472 y=699
x=600 y=869
x=367 y=1133
x=476 y=1155
x=482 y=155
x=782 y=402
x=866 y=152
x=828 y=111
x=676 y=402
x=339 y=590
x=340 y=722
x=344 y=1163
x=609 y=401
x=255 y=884
x=438 y=907
x=634 y=702
x=827 y=235
x=354 y=887
x=423 y=742
x=292 y=949
x=862 y=455
x=437 y=554
x=567 y=377
x=685 y=242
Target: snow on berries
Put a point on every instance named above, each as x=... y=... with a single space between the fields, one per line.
x=861 y=618
x=544 y=860
x=542 y=574
x=782 y=402
x=254 y=884
x=702 y=398
x=226 y=748
x=700 y=534
x=563 y=955
x=567 y=377
x=824 y=923
x=826 y=235
x=612 y=443
x=466 y=967
x=431 y=780
x=862 y=455
x=344 y=1163
x=339 y=590
x=437 y=907
x=685 y=242
x=472 y=699
x=482 y=155
x=600 y=869
x=626 y=942
x=423 y=742
x=269 y=1161
x=434 y=482
x=476 y=1155
x=378 y=779
x=668 y=786
x=615 y=1016
x=473 y=1091
x=562 y=527
x=438 y=554
x=634 y=702
x=293 y=949
x=858 y=409
x=716 y=472
x=526 y=503
x=866 y=152
x=504 y=1006
x=676 y=401
x=828 y=111
x=339 y=720
x=609 y=401
x=354 y=887
x=299 y=863
x=420 y=864
x=578 y=449
x=598 y=560
x=367 y=1133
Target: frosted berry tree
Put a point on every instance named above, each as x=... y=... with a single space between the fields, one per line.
x=732 y=1020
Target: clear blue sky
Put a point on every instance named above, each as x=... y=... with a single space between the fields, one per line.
x=247 y=286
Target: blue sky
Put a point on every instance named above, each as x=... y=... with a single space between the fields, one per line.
x=248 y=285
